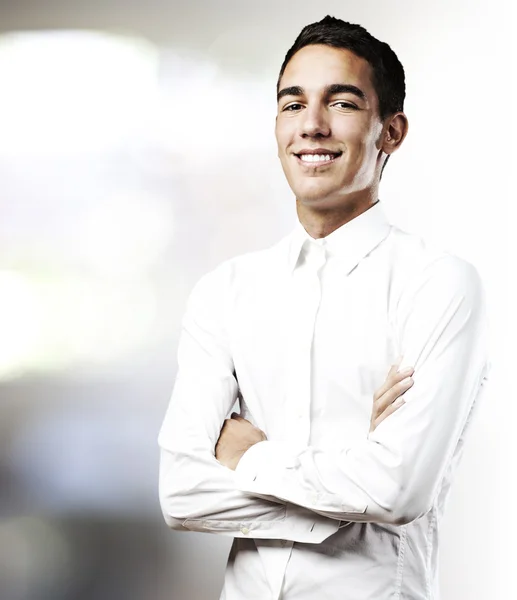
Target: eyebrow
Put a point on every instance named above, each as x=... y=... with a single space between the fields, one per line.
x=330 y=90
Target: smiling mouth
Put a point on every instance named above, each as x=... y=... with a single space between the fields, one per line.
x=315 y=160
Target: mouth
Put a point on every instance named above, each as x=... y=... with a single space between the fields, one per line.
x=317 y=158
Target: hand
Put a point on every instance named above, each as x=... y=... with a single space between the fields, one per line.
x=237 y=436
x=388 y=398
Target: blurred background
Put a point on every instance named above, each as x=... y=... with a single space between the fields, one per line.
x=136 y=153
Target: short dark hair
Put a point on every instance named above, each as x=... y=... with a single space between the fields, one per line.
x=388 y=72
x=388 y=77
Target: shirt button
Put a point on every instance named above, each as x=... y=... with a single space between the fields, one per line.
x=245 y=530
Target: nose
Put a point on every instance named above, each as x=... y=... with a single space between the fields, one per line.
x=314 y=122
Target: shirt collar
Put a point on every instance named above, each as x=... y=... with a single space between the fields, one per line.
x=351 y=242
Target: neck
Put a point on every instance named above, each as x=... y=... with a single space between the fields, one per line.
x=320 y=222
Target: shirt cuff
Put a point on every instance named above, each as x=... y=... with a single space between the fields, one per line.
x=267 y=458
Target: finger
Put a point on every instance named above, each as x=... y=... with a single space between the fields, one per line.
x=391 y=395
x=392 y=378
x=396 y=365
x=389 y=411
x=393 y=407
x=388 y=382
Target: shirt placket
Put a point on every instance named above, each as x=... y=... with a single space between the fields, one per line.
x=306 y=300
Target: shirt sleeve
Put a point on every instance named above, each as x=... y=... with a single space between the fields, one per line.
x=394 y=474
x=196 y=491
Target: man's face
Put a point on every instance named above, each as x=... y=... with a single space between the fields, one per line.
x=328 y=128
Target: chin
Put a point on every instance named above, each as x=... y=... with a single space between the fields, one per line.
x=322 y=203
x=317 y=196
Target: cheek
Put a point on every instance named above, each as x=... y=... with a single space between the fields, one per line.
x=285 y=134
x=359 y=140
x=281 y=135
x=355 y=135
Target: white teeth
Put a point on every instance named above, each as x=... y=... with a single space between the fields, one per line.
x=315 y=157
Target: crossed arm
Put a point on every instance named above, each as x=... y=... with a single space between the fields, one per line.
x=300 y=494
x=238 y=435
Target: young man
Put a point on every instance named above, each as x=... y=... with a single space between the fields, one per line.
x=325 y=497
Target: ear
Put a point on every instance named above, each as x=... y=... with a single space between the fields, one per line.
x=394 y=131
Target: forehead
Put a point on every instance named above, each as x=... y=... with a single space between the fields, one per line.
x=316 y=66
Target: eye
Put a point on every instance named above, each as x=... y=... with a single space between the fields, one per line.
x=293 y=107
x=343 y=104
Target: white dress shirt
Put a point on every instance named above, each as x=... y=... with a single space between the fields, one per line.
x=303 y=334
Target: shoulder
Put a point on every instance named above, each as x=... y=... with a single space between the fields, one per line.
x=242 y=269
x=421 y=258
x=433 y=274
